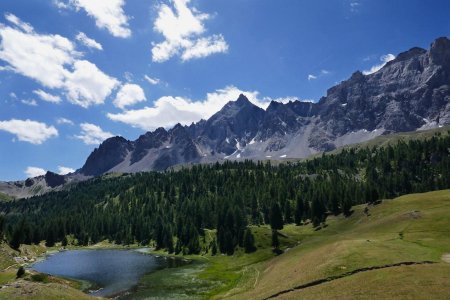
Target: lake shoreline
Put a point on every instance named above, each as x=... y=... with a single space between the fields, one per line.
x=94 y=287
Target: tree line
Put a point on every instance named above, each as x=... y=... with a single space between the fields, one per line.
x=172 y=209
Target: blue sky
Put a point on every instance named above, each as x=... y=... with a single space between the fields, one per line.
x=74 y=72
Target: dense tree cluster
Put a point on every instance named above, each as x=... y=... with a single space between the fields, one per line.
x=172 y=209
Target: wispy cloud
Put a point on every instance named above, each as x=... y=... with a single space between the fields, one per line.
x=354 y=6
x=384 y=60
x=47 y=97
x=29 y=102
x=88 y=42
x=151 y=80
x=321 y=73
x=64 y=121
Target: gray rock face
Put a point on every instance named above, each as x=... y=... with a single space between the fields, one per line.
x=412 y=92
x=110 y=153
x=53 y=180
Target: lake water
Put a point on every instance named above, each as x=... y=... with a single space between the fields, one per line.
x=114 y=271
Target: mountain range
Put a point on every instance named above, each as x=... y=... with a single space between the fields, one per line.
x=411 y=92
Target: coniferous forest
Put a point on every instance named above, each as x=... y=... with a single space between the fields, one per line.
x=172 y=209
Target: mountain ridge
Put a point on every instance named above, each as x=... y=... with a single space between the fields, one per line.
x=411 y=92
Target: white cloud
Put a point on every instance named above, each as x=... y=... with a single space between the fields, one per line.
x=129 y=94
x=107 y=14
x=34 y=172
x=128 y=76
x=32 y=55
x=92 y=134
x=88 y=42
x=6 y=68
x=16 y=21
x=168 y=110
x=354 y=6
x=205 y=46
x=87 y=85
x=65 y=170
x=47 y=97
x=183 y=29
x=384 y=60
x=29 y=131
x=322 y=73
x=65 y=121
x=29 y=102
x=61 y=4
x=152 y=80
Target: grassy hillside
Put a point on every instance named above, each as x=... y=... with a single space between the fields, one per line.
x=391 y=139
x=5 y=197
x=412 y=228
x=408 y=229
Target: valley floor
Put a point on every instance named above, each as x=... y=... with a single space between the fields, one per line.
x=398 y=249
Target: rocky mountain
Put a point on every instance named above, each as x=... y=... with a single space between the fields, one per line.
x=411 y=92
x=39 y=185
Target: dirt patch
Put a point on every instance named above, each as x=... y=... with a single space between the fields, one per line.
x=413 y=215
x=446 y=257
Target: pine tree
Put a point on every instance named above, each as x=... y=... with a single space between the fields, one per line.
x=275 y=241
x=276 y=219
x=299 y=211
x=249 y=241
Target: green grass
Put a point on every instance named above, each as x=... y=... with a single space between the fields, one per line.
x=5 y=197
x=409 y=228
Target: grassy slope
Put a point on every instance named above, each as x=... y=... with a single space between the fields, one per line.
x=210 y=275
x=390 y=139
x=5 y=197
x=409 y=228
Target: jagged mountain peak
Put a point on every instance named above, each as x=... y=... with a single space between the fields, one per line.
x=234 y=107
x=440 y=51
x=274 y=106
x=413 y=52
x=242 y=100
x=410 y=92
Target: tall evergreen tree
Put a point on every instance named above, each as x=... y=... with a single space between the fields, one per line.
x=249 y=241
x=276 y=218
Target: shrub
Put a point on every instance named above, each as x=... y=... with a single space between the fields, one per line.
x=20 y=272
